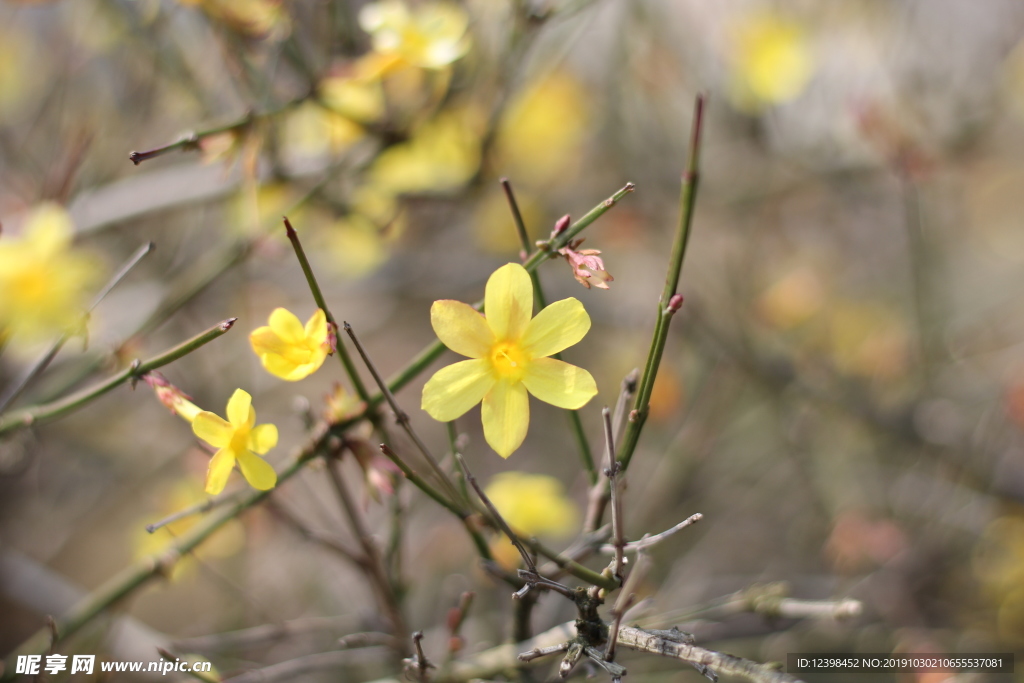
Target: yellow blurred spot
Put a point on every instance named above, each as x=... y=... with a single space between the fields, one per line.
x=770 y=58
x=354 y=246
x=20 y=67
x=432 y=35
x=998 y=564
x=533 y=504
x=255 y=18
x=225 y=542
x=359 y=99
x=442 y=155
x=792 y=299
x=540 y=138
x=43 y=280
x=313 y=131
x=493 y=227
x=666 y=396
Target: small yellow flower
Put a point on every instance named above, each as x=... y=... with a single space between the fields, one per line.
x=287 y=349
x=239 y=439
x=509 y=358
x=42 y=280
x=431 y=36
x=532 y=504
x=771 y=60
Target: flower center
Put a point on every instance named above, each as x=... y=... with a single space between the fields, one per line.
x=508 y=360
x=240 y=439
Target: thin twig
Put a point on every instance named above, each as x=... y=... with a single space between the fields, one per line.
x=648 y=541
x=401 y=416
x=496 y=516
x=618 y=533
x=44 y=361
x=539 y=652
x=264 y=634
x=375 y=565
x=669 y=303
x=197 y=509
x=420 y=662
x=624 y=601
x=198 y=675
x=49 y=411
x=318 y=297
x=599 y=493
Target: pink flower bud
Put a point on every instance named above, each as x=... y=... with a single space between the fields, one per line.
x=675 y=303
x=561 y=224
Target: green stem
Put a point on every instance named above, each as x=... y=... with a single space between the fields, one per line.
x=318 y=296
x=687 y=201
x=586 y=455
x=571 y=566
x=191 y=141
x=41 y=413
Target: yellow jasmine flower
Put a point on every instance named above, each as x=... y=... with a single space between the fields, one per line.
x=42 y=280
x=771 y=60
x=431 y=36
x=287 y=349
x=239 y=439
x=257 y=18
x=509 y=353
x=533 y=505
x=442 y=155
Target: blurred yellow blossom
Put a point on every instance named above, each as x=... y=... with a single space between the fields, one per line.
x=287 y=349
x=771 y=60
x=43 y=281
x=493 y=228
x=342 y=405
x=509 y=358
x=998 y=564
x=355 y=246
x=431 y=35
x=792 y=299
x=257 y=18
x=237 y=439
x=183 y=494
x=442 y=155
x=867 y=339
x=354 y=96
x=312 y=130
x=533 y=505
x=540 y=138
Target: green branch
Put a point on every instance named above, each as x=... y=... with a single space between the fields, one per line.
x=49 y=411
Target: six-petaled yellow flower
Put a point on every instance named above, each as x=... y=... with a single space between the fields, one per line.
x=287 y=349
x=509 y=353
x=237 y=439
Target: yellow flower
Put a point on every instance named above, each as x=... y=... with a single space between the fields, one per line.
x=42 y=280
x=289 y=351
x=509 y=358
x=532 y=504
x=237 y=439
x=771 y=60
x=431 y=36
x=442 y=155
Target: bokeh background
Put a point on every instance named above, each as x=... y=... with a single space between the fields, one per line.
x=842 y=395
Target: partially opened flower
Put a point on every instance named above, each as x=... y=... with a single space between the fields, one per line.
x=509 y=353
x=431 y=35
x=237 y=439
x=287 y=349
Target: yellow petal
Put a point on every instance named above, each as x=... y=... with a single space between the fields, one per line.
x=264 y=340
x=506 y=417
x=212 y=429
x=559 y=384
x=457 y=388
x=262 y=438
x=316 y=327
x=219 y=470
x=240 y=410
x=508 y=301
x=556 y=328
x=461 y=328
x=287 y=325
x=283 y=368
x=256 y=470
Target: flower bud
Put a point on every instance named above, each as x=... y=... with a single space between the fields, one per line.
x=675 y=303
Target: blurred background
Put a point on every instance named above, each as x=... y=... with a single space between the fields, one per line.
x=842 y=395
